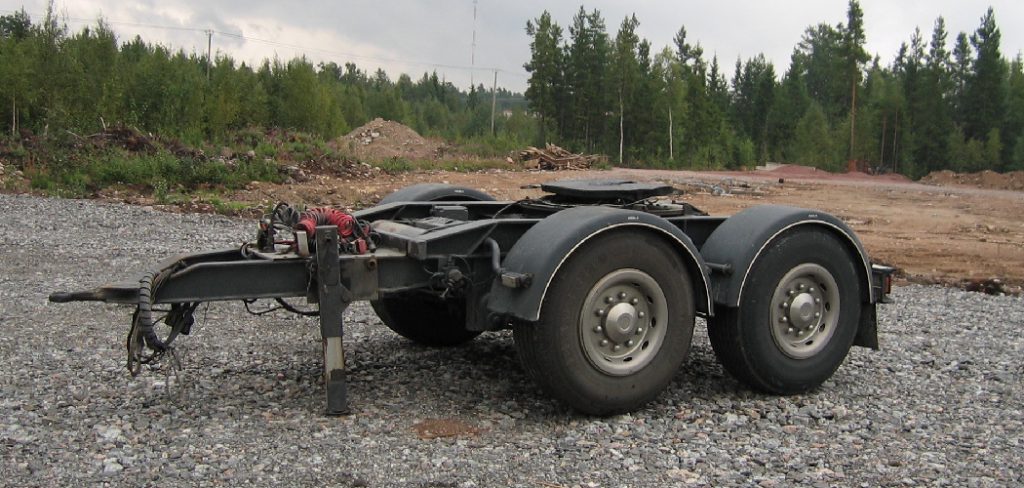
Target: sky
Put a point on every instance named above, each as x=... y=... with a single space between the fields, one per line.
x=413 y=37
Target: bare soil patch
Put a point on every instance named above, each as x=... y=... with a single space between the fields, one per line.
x=941 y=232
x=944 y=234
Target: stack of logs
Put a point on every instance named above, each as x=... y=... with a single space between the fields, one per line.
x=554 y=158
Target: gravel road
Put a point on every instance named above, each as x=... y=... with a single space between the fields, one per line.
x=940 y=404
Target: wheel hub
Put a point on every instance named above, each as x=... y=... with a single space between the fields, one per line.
x=623 y=322
x=801 y=311
x=805 y=310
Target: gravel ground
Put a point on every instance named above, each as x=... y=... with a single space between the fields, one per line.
x=941 y=404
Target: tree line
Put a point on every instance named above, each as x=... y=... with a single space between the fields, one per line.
x=938 y=105
x=54 y=82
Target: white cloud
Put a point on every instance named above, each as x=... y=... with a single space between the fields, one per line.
x=411 y=35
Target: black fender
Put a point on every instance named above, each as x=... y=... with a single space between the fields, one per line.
x=542 y=250
x=738 y=241
x=432 y=192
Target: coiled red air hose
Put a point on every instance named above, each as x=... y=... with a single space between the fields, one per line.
x=313 y=217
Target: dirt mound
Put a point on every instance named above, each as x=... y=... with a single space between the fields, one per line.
x=989 y=180
x=385 y=139
x=797 y=171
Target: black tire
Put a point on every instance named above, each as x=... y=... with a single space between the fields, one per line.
x=571 y=365
x=774 y=342
x=421 y=318
x=436 y=192
x=425 y=319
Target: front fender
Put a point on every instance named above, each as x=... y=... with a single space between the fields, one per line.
x=542 y=250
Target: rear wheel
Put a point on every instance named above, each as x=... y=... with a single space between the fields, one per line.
x=797 y=316
x=419 y=317
x=615 y=326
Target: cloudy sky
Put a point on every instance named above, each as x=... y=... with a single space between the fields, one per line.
x=416 y=36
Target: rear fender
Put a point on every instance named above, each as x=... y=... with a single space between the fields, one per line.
x=736 y=244
x=542 y=250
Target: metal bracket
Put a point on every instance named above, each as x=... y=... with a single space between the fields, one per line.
x=332 y=304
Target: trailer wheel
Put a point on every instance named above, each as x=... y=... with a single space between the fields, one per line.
x=425 y=319
x=797 y=316
x=422 y=318
x=435 y=192
x=615 y=325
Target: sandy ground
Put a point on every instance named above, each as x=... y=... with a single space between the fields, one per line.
x=945 y=234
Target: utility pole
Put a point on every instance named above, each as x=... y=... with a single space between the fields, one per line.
x=472 y=49
x=209 y=52
x=494 y=97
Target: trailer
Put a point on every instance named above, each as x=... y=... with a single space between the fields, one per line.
x=599 y=280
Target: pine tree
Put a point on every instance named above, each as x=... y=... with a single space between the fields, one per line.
x=546 y=72
x=932 y=117
x=790 y=104
x=1014 y=125
x=825 y=72
x=752 y=98
x=985 y=90
x=960 y=72
x=813 y=141
x=587 y=77
x=854 y=57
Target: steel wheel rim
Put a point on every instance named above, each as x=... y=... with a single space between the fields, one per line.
x=623 y=322
x=805 y=311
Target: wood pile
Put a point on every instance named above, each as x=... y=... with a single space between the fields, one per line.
x=554 y=158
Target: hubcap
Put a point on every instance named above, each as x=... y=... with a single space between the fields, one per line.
x=623 y=322
x=804 y=311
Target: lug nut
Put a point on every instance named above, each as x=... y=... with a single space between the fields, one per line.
x=811 y=289
x=817 y=314
x=789 y=330
x=785 y=304
x=616 y=347
x=604 y=342
x=641 y=314
x=630 y=343
x=784 y=319
x=598 y=329
x=622 y=295
x=609 y=300
x=634 y=301
x=817 y=300
x=639 y=330
x=800 y=286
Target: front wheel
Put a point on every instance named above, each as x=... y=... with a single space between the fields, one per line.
x=615 y=325
x=425 y=319
x=421 y=318
x=797 y=317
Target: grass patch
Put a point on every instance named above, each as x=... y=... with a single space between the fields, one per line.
x=159 y=172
